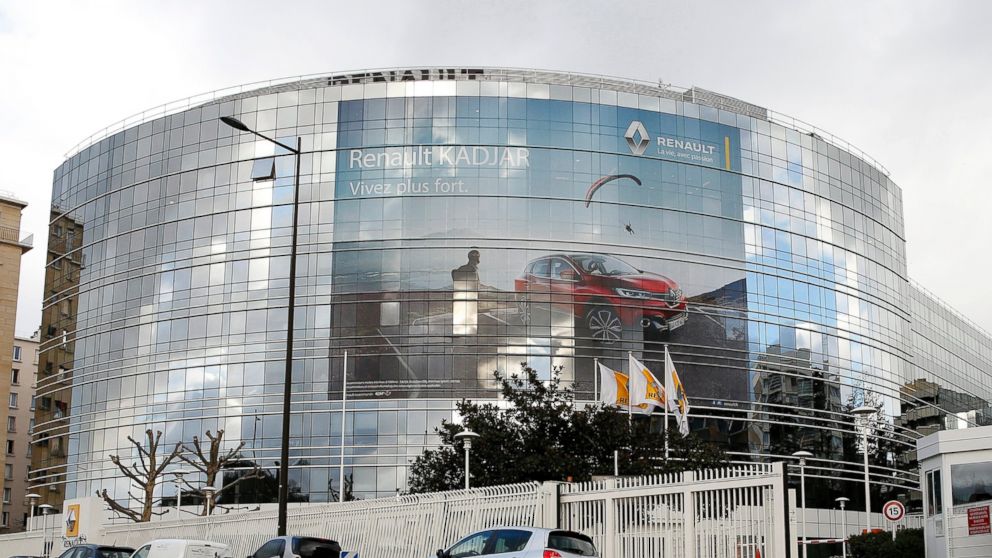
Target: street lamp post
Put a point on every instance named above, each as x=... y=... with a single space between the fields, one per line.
x=843 y=522
x=864 y=412
x=47 y=545
x=179 y=474
x=208 y=496
x=288 y=375
x=802 y=455
x=466 y=436
x=33 y=498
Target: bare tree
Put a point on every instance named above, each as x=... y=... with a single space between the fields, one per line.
x=145 y=474
x=212 y=463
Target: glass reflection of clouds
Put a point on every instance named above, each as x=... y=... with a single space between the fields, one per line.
x=169 y=251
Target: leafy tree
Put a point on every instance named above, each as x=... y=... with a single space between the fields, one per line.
x=145 y=474
x=539 y=435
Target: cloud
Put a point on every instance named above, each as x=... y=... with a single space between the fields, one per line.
x=904 y=81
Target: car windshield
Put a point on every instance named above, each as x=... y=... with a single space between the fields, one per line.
x=315 y=548
x=575 y=543
x=114 y=553
x=603 y=265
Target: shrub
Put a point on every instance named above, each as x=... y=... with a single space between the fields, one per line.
x=908 y=544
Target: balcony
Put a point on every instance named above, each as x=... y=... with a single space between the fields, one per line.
x=10 y=235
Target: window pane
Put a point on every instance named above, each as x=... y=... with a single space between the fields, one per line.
x=971 y=482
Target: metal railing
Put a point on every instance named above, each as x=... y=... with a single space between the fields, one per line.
x=735 y=512
x=417 y=525
x=732 y=512
x=657 y=89
x=11 y=234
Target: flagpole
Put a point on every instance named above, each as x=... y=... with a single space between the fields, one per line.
x=595 y=378
x=667 y=398
x=630 y=394
x=344 y=400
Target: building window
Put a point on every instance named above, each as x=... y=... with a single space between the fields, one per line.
x=32 y=402
x=13 y=401
x=935 y=503
x=56 y=449
x=8 y=471
x=6 y=496
x=15 y=377
x=17 y=353
x=4 y=519
x=970 y=483
x=11 y=424
x=10 y=447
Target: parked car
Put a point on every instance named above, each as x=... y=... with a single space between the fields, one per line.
x=178 y=548
x=299 y=547
x=605 y=292
x=97 y=551
x=522 y=542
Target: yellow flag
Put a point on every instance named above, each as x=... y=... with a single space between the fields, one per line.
x=623 y=395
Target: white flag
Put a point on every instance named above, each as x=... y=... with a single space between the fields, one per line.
x=645 y=389
x=676 y=399
x=609 y=393
x=617 y=392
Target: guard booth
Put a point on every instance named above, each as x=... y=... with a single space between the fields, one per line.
x=956 y=469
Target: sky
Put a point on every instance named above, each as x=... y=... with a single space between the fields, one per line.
x=905 y=81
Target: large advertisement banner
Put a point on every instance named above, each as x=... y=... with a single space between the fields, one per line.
x=454 y=260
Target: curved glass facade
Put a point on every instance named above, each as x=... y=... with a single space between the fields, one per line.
x=457 y=222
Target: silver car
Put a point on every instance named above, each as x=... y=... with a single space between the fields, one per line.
x=522 y=542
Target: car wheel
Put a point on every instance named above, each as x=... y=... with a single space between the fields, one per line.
x=604 y=324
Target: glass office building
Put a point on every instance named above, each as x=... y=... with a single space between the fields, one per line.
x=454 y=222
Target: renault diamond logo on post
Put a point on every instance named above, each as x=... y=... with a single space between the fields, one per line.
x=637 y=138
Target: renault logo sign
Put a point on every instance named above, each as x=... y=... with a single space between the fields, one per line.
x=637 y=138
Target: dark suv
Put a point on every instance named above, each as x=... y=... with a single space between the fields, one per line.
x=298 y=547
x=606 y=292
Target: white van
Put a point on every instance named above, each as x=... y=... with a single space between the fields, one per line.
x=177 y=548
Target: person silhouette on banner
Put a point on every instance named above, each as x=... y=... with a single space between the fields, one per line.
x=465 y=296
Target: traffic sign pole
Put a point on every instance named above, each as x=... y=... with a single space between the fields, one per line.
x=894 y=511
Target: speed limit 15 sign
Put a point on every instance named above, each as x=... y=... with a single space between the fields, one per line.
x=893 y=510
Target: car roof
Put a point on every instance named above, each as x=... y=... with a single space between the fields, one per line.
x=291 y=537
x=515 y=528
x=187 y=541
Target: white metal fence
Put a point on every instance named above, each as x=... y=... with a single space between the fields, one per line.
x=724 y=513
x=402 y=527
x=737 y=512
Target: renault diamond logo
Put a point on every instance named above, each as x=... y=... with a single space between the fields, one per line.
x=637 y=138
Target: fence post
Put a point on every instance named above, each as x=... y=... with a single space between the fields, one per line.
x=688 y=515
x=548 y=504
x=610 y=525
x=780 y=521
x=793 y=539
